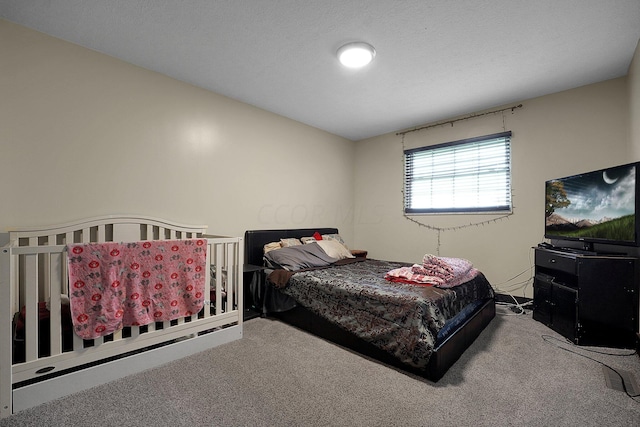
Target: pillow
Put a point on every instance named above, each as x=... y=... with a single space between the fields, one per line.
x=285 y=243
x=271 y=246
x=306 y=240
x=317 y=236
x=334 y=237
x=335 y=249
x=298 y=257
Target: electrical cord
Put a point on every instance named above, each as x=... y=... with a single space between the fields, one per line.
x=517 y=307
x=549 y=338
x=515 y=304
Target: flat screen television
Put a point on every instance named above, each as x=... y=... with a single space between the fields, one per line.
x=594 y=207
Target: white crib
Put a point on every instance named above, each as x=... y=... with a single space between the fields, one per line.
x=33 y=270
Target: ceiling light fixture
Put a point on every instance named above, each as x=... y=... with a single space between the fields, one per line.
x=356 y=55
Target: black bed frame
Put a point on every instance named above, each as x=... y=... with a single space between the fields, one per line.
x=445 y=354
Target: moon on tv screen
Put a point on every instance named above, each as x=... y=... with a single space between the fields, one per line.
x=608 y=179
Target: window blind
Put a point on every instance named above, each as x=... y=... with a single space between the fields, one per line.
x=472 y=175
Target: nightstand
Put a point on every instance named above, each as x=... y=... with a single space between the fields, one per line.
x=358 y=253
x=253 y=289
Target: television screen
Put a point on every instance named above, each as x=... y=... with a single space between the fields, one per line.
x=598 y=206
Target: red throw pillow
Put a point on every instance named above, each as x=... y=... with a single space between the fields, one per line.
x=317 y=236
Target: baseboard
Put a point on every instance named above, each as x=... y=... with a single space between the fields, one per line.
x=509 y=299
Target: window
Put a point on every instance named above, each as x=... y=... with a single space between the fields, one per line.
x=468 y=176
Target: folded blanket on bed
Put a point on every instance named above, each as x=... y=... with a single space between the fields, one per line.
x=112 y=285
x=442 y=272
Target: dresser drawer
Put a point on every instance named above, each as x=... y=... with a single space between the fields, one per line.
x=556 y=261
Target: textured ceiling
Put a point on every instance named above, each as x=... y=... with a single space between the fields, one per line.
x=435 y=59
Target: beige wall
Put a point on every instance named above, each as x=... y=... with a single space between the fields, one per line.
x=634 y=103
x=553 y=136
x=84 y=134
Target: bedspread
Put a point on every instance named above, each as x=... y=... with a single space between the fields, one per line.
x=112 y=285
x=400 y=318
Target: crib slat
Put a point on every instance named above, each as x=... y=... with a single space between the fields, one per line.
x=207 y=282
x=31 y=306
x=46 y=271
x=78 y=343
x=56 y=261
x=55 y=304
x=7 y=267
x=231 y=292
x=219 y=282
x=64 y=274
x=135 y=332
x=15 y=290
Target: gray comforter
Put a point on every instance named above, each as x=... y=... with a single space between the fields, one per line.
x=402 y=319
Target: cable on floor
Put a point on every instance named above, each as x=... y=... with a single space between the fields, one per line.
x=549 y=339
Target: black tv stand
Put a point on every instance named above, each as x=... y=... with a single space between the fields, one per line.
x=564 y=249
x=578 y=251
x=588 y=250
x=590 y=298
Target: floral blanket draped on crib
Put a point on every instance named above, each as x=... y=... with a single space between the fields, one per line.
x=112 y=285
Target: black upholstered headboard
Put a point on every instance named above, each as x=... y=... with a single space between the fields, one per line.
x=254 y=240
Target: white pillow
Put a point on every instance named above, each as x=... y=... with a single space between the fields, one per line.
x=335 y=249
x=285 y=243
x=271 y=246
x=335 y=237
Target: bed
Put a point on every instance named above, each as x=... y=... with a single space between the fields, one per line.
x=470 y=307
x=189 y=299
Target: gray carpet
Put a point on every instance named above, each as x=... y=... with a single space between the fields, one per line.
x=280 y=376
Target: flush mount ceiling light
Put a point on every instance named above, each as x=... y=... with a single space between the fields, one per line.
x=356 y=55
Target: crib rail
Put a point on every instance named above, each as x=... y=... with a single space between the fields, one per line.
x=33 y=273
x=223 y=257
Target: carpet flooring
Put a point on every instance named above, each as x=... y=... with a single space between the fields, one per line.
x=517 y=373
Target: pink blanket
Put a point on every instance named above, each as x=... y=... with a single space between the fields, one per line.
x=112 y=285
x=442 y=272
